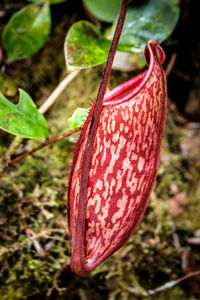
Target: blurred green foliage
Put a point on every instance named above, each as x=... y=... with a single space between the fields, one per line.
x=27 y=31
x=103 y=10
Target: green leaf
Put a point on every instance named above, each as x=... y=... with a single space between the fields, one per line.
x=22 y=119
x=103 y=10
x=85 y=46
x=152 y=19
x=27 y=31
x=78 y=118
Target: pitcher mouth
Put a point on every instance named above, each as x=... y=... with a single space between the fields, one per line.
x=130 y=88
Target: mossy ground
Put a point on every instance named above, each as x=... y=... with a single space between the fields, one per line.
x=34 y=241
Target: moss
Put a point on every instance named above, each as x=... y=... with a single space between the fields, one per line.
x=35 y=247
x=34 y=241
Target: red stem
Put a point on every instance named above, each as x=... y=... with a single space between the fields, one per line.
x=80 y=226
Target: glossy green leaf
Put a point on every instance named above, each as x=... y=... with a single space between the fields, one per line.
x=103 y=10
x=27 y=31
x=22 y=119
x=152 y=19
x=78 y=118
x=85 y=46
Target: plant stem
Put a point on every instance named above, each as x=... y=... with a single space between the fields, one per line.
x=171 y=64
x=55 y=139
x=59 y=89
x=170 y=284
x=80 y=226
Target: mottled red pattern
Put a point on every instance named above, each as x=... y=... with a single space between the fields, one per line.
x=125 y=160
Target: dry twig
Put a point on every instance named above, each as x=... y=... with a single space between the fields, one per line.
x=55 y=139
x=58 y=90
x=171 y=284
x=170 y=64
